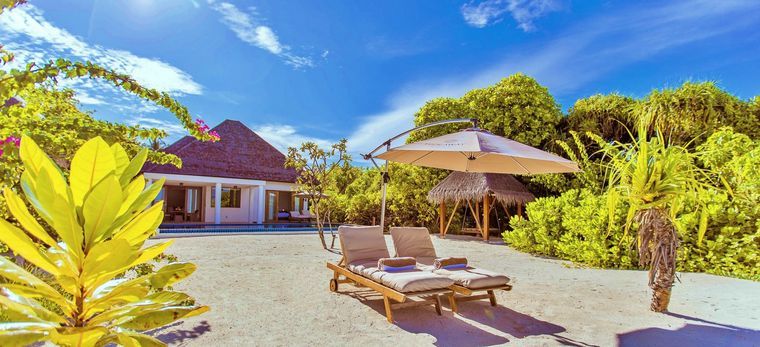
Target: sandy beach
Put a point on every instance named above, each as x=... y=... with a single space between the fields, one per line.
x=273 y=290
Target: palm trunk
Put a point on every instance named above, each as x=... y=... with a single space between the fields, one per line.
x=658 y=243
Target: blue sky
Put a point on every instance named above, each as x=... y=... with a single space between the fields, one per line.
x=324 y=70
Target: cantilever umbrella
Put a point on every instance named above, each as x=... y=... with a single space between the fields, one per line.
x=477 y=150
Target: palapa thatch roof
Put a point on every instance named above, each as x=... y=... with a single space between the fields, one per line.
x=473 y=186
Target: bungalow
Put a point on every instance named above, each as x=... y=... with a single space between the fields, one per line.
x=239 y=179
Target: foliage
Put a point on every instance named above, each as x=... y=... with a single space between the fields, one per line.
x=406 y=196
x=315 y=166
x=102 y=215
x=694 y=111
x=608 y=116
x=573 y=226
x=516 y=107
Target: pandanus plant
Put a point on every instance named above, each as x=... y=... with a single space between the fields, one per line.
x=73 y=290
x=655 y=179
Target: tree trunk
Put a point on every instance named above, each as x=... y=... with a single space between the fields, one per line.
x=320 y=229
x=658 y=243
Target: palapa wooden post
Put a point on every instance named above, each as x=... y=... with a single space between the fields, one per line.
x=442 y=218
x=519 y=209
x=486 y=210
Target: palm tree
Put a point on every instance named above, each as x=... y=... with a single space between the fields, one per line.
x=654 y=178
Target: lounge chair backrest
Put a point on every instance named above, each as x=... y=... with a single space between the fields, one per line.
x=412 y=242
x=362 y=243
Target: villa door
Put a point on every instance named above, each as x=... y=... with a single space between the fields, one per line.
x=278 y=204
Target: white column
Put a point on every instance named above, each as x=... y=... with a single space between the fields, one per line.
x=262 y=204
x=218 y=204
x=251 y=206
x=305 y=205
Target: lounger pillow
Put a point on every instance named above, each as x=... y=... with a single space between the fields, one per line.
x=397 y=264
x=450 y=263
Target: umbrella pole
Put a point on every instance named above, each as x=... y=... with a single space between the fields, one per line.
x=385 y=188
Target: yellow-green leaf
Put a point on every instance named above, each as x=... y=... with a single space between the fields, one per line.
x=131 y=193
x=22 y=245
x=171 y=274
x=134 y=167
x=29 y=308
x=100 y=208
x=24 y=334
x=91 y=163
x=142 y=226
x=25 y=218
x=85 y=336
x=138 y=340
x=162 y=317
x=120 y=157
x=151 y=252
x=106 y=259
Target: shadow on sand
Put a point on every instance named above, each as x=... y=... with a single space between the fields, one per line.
x=169 y=336
x=450 y=330
x=706 y=334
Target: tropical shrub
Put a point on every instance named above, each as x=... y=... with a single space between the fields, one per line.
x=75 y=292
x=573 y=226
x=609 y=116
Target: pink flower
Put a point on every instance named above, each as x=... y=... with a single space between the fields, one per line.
x=14 y=140
x=1 y=152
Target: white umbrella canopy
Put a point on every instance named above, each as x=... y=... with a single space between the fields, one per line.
x=477 y=150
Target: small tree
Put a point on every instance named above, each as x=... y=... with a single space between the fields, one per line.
x=655 y=179
x=74 y=291
x=315 y=167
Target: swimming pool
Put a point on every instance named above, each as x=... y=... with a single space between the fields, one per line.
x=186 y=228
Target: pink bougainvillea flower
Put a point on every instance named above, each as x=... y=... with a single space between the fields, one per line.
x=14 y=140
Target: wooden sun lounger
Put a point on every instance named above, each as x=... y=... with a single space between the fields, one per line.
x=402 y=299
x=459 y=293
x=462 y=294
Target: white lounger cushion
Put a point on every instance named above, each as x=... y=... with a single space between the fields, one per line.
x=412 y=240
x=405 y=282
x=362 y=243
x=424 y=252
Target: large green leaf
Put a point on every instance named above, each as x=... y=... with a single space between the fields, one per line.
x=106 y=259
x=120 y=158
x=26 y=309
x=84 y=336
x=134 y=167
x=114 y=293
x=17 y=274
x=143 y=200
x=151 y=252
x=131 y=193
x=22 y=245
x=63 y=215
x=128 y=338
x=91 y=163
x=25 y=218
x=142 y=226
x=171 y=274
x=100 y=208
x=35 y=160
x=162 y=317
x=24 y=334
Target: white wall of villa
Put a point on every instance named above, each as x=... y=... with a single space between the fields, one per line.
x=252 y=196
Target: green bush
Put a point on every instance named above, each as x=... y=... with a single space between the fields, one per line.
x=573 y=226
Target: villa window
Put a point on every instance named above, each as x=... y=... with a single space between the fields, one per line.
x=230 y=197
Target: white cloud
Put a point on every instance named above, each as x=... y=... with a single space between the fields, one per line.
x=246 y=27
x=479 y=14
x=26 y=32
x=282 y=136
x=577 y=57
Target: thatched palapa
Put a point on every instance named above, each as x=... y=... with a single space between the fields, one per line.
x=471 y=186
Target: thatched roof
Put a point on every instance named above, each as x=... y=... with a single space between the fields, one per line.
x=473 y=186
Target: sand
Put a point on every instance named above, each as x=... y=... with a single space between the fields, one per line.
x=273 y=290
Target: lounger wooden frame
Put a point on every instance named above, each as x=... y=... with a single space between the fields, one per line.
x=462 y=293
x=402 y=299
